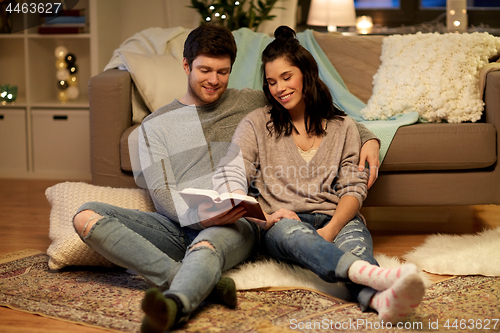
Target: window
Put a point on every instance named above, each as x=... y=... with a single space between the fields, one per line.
x=433 y=3
x=425 y=4
x=373 y=4
x=413 y=12
x=395 y=13
x=471 y=4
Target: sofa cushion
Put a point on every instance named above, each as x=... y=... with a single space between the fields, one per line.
x=442 y=147
x=419 y=147
x=356 y=59
x=436 y=75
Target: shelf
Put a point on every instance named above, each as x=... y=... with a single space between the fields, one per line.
x=43 y=81
x=57 y=36
x=18 y=35
x=76 y=104
x=45 y=146
x=12 y=64
x=19 y=103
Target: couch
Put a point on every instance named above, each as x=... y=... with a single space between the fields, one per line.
x=427 y=164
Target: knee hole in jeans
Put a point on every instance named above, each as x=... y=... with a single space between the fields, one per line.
x=300 y=228
x=202 y=244
x=84 y=220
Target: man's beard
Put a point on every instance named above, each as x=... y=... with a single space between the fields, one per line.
x=198 y=93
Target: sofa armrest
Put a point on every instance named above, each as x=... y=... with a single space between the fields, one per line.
x=492 y=116
x=492 y=99
x=110 y=99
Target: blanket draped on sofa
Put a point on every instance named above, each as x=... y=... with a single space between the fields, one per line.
x=246 y=72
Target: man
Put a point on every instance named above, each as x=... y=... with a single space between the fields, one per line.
x=179 y=146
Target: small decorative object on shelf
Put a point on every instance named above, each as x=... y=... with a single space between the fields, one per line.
x=234 y=14
x=66 y=74
x=5 y=23
x=73 y=69
x=65 y=21
x=60 y=52
x=8 y=94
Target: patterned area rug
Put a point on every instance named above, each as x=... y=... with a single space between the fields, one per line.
x=111 y=299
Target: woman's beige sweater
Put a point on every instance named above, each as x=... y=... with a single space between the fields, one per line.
x=282 y=177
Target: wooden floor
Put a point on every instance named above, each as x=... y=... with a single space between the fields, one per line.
x=24 y=224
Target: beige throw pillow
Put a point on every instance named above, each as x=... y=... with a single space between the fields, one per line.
x=159 y=78
x=67 y=249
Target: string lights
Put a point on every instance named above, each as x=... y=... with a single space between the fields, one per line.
x=67 y=81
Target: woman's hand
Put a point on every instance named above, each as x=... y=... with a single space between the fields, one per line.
x=210 y=214
x=274 y=217
x=328 y=235
x=346 y=210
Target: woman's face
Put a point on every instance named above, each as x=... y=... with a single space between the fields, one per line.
x=285 y=84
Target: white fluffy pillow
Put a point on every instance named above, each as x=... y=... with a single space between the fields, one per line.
x=67 y=249
x=435 y=74
x=159 y=78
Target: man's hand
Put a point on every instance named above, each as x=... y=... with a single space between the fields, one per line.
x=369 y=153
x=211 y=215
x=274 y=217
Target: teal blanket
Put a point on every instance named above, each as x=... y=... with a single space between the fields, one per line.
x=246 y=74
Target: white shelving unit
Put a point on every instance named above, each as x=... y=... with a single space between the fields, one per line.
x=56 y=135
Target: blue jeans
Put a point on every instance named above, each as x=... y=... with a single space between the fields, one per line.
x=297 y=242
x=160 y=249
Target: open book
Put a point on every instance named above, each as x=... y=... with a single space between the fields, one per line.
x=194 y=197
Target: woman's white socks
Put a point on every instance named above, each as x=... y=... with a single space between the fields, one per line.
x=362 y=272
x=400 y=289
x=400 y=299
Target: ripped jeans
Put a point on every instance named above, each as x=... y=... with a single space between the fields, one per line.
x=160 y=249
x=297 y=242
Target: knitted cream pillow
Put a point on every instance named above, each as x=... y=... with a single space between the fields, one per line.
x=67 y=249
x=436 y=75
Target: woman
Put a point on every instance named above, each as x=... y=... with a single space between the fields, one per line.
x=300 y=154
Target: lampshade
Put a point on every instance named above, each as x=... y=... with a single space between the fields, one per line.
x=456 y=15
x=332 y=13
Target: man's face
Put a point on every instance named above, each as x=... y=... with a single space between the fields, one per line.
x=207 y=79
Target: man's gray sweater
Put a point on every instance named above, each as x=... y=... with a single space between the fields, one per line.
x=180 y=146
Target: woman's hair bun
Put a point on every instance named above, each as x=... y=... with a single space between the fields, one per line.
x=284 y=32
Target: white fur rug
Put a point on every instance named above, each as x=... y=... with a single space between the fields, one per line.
x=270 y=273
x=477 y=254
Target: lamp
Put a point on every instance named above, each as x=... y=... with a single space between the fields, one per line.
x=364 y=24
x=456 y=15
x=332 y=13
